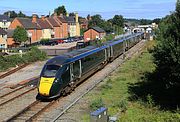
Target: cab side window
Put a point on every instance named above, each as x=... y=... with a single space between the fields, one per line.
x=66 y=75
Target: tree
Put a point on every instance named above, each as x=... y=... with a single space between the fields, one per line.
x=60 y=10
x=20 y=35
x=157 y=20
x=145 y=21
x=20 y=14
x=71 y=14
x=167 y=51
x=118 y=20
x=12 y=14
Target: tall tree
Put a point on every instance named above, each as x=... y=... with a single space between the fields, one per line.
x=20 y=14
x=60 y=10
x=157 y=20
x=167 y=52
x=145 y=21
x=20 y=35
x=118 y=20
x=72 y=14
x=12 y=14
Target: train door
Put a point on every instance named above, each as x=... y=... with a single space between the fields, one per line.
x=65 y=75
x=76 y=70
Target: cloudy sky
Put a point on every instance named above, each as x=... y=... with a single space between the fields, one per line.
x=148 y=9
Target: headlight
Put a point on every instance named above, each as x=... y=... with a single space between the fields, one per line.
x=56 y=80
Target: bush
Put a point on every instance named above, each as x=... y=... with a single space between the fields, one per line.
x=12 y=60
x=97 y=103
x=44 y=41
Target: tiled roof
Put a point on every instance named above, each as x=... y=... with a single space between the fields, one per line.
x=10 y=33
x=98 y=29
x=2 y=31
x=43 y=24
x=62 y=19
x=70 y=19
x=4 y=18
x=28 y=24
x=53 y=22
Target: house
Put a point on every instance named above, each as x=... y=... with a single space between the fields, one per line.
x=47 y=29
x=94 y=33
x=10 y=40
x=4 y=22
x=56 y=27
x=3 y=38
x=73 y=25
x=34 y=31
x=63 y=26
x=83 y=23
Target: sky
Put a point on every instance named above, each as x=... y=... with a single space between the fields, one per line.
x=147 y=9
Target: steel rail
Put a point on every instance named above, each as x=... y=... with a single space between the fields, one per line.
x=12 y=71
x=88 y=90
x=1 y=104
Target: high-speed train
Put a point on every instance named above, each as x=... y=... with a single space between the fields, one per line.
x=61 y=74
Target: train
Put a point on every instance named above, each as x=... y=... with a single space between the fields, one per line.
x=61 y=74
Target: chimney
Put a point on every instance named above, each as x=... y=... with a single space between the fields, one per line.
x=55 y=14
x=61 y=15
x=76 y=15
x=67 y=14
x=43 y=17
x=34 y=18
x=9 y=14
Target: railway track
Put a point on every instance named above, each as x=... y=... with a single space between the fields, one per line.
x=86 y=89
x=29 y=113
x=12 y=71
x=10 y=96
x=38 y=108
x=19 y=90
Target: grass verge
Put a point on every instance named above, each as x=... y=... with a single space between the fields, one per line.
x=115 y=94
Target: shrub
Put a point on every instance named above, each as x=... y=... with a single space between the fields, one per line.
x=12 y=60
x=97 y=103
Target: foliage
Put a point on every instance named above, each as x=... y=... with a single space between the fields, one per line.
x=13 y=14
x=112 y=25
x=118 y=20
x=20 y=14
x=72 y=14
x=145 y=21
x=44 y=41
x=82 y=30
x=167 y=52
x=20 y=35
x=60 y=10
x=118 y=98
x=97 y=103
x=157 y=20
x=13 y=60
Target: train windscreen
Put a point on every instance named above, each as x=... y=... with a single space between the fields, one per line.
x=50 y=70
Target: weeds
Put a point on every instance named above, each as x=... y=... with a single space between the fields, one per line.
x=97 y=103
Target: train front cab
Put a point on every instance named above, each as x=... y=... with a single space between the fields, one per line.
x=53 y=79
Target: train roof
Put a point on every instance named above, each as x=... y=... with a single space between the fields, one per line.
x=80 y=53
x=71 y=56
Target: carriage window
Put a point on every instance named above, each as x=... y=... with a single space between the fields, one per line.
x=50 y=70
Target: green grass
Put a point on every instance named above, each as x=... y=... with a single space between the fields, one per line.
x=116 y=94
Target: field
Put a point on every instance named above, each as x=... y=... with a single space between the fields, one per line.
x=120 y=94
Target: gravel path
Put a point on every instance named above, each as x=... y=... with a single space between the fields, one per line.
x=28 y=72
x=17 y=105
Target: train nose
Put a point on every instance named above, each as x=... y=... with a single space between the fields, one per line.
x=45 y=86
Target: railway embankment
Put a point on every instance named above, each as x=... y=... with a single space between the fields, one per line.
x=118 y=93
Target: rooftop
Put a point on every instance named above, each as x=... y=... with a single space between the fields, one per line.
x=4 y=18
